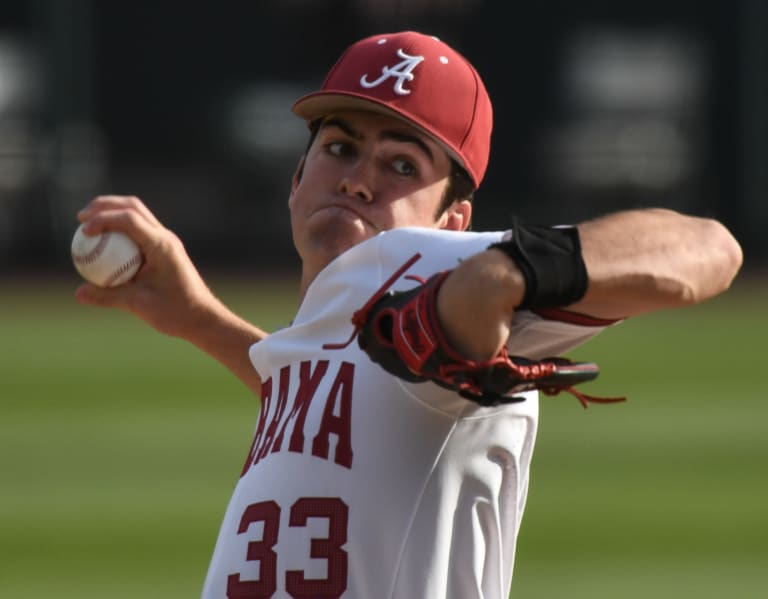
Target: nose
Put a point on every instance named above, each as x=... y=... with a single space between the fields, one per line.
x=357 y=182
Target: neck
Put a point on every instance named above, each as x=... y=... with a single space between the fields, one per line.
x=308 y=274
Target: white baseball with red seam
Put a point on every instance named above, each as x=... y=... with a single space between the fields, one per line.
x=107 y=259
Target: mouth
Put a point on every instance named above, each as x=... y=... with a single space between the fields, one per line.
x=350 y=212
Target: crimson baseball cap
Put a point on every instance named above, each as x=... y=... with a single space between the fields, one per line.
x=419 y=79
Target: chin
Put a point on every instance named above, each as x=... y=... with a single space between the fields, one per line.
x=341 y=245
x=329 y=232
x=326 y=248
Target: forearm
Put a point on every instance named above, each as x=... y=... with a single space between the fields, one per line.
x=227 y=338
x=645 y=260
x=637 y=261
x=476 y=303
x=168 y=293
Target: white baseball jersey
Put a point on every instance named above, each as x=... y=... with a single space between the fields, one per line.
x=363 y=486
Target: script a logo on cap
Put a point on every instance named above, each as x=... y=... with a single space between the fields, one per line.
x=402 y=72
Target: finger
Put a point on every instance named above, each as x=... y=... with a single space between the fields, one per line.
x=92 y=295
x=100 y=203
x=143 y=231
x=116 y=202
x=109 y=202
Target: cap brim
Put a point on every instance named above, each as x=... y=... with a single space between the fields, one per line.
x=319 y=104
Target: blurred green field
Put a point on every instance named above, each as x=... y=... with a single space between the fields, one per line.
x=119 y=449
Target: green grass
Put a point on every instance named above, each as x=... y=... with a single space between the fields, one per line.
x=119 y=449
x=665 y=496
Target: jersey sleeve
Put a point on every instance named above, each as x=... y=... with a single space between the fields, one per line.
x=536 y=334
x=551 y=332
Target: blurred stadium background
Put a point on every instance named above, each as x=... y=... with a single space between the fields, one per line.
x=599 y=106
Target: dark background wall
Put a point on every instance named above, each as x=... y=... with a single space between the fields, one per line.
x=598 y=106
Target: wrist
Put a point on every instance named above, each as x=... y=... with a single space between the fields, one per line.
x=550 y=262
x=476 y=303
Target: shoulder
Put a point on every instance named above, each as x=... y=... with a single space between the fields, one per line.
x=437 y=249
x=400 y=257
x=425 y=238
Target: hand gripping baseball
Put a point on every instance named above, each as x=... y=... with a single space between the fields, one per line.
x=168 y=293
x=401 y=332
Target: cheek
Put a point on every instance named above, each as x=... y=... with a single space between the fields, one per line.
x=292 y=207
x=297 y=197
x=418 y=213
x=424 y=205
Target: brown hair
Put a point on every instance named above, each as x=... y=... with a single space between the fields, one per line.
x=460 y=187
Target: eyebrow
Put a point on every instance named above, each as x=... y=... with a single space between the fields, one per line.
x=389 y=134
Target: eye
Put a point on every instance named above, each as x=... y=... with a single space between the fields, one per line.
x=339 y=148
x=403 y=167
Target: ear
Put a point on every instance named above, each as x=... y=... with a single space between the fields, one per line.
x=457 y=217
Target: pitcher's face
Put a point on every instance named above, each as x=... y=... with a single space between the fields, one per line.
x=365 y=173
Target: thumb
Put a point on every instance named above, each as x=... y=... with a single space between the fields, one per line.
x=93 y=295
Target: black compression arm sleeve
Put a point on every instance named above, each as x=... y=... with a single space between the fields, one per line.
x=551 y=263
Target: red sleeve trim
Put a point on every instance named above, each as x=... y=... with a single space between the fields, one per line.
x=561 y=315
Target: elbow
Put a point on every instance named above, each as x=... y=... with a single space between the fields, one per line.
x=718 y=268
x=728 y=255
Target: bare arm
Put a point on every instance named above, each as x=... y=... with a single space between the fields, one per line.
x=647 y=260
x=637 y=261
x=168 y=293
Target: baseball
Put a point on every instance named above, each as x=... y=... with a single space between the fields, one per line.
x=108 y=259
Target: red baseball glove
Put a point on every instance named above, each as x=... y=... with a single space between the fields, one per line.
x=401 y=332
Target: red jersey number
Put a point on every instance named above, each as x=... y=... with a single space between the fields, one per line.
x=297 y=585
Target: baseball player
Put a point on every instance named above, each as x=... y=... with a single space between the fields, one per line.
x=391 y=453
